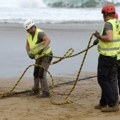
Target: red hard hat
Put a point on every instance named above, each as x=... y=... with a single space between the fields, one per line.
x=108 y=8
x=116 y=15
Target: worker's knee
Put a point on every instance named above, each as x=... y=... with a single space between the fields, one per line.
x=36 y=72
x=41 y=73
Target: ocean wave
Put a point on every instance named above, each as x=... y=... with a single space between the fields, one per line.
x=78 y=3
x=55 y=3
x=22 y=4
x=48 y=14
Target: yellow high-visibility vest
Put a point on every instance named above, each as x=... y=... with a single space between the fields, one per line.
x=111 y=48
x=35 y=47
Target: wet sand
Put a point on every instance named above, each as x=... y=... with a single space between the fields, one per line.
x=63 y=37
x=86 y=93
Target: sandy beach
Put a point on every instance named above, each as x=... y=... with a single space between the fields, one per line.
x=86 y=93
x=25 y=107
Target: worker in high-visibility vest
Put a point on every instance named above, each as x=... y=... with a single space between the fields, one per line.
x=108 y=48
x=118 y=61
x=37 y=47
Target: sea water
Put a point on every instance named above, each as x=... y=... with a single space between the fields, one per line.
x=45 y=11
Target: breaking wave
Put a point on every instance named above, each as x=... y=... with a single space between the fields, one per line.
x=56 y=3
x=53 y=11
x=79 y=3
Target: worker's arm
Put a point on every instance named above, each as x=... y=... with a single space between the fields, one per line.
x=108 y=37
x=43 y=37
x=28 y=51
x=27 y=47
x=47 y=41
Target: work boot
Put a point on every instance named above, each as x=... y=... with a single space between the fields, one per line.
x=110 y=109
x=44 y=84
x=44 y=94
x=99 y=106
x=34 y=92
x=35 y=89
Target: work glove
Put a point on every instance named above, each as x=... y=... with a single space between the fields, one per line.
x=31 y=55
x=95 y=42
x=97 y=35
x=40 y=51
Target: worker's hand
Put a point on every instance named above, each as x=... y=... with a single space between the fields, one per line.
x=97 y=35
x=31 y=55
x=40 y=51
x=95 y=42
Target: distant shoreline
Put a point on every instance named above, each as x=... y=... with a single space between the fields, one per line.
x=56 y=22
x=65 y=25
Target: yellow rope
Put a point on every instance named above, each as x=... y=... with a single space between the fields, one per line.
x=68 y=54
x=10 y=92
x=80 y=67
x=66 y=101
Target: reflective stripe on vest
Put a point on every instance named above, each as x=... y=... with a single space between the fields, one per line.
x=34 y=48
x=111 y=48
x=108 y=49
x=118 y=55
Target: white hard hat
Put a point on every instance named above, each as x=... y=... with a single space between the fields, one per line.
x=28 y=24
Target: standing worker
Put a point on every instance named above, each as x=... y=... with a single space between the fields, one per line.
x=116 y=17
x=37 y=47
x=108 y=48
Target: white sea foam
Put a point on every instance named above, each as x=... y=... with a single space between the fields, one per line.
x=17 y=11
x=22 y=3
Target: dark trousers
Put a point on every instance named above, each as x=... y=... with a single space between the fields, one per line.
x=118 y=63
x=107 y=79
x=40 y=74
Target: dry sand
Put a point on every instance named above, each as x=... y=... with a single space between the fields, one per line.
x=25 y=107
